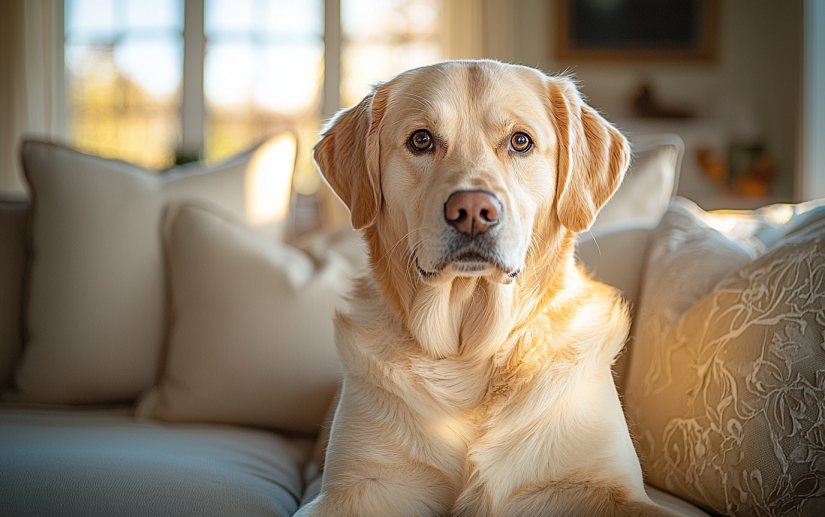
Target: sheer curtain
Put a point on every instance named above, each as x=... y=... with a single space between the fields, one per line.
x=31 y=81
x=478 y=29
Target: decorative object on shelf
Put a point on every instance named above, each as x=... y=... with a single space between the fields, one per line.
x=747 y=172
x=713 y=165
x=646 y=104
x=751 y=169
x=637 y=29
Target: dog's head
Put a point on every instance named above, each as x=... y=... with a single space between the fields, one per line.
x=457 y=163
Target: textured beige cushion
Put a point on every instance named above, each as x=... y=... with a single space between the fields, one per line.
x=342 y=240
x=252 y=336
x=96 y=304
x=12 y=264
x=726 y=393
x=686 y=257
x=649 y=185
x=768 y=224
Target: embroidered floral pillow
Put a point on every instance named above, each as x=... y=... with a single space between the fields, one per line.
x=730 y=411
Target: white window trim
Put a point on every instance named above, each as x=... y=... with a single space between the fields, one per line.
x=193 y=104
x=810 y=180
x=333 y=39
x=464 y=21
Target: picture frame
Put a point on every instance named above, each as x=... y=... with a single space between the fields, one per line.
x=636 y=30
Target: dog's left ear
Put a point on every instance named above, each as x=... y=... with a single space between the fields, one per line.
x=593 y=156
x=348 y=156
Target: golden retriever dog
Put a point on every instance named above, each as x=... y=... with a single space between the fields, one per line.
x=476 y=354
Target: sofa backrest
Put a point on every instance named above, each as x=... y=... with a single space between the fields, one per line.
x=13 y=212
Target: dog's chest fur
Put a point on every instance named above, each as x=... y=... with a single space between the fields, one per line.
x=462 y=400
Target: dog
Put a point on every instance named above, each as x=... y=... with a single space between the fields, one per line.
x=476 y=354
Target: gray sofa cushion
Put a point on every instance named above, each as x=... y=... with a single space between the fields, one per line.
x=60 y=462
x=12 y=264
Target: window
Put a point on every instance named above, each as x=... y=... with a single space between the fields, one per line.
x=385 y=37
x=123 y=73
x=263 y=69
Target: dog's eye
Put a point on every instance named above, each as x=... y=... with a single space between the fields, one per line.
x=421 y=140
x=521 y=142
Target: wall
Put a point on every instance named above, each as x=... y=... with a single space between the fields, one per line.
x=757 y=70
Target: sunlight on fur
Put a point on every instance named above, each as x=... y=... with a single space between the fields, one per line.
x=476 y=354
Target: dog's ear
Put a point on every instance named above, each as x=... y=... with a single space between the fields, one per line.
x=593 y=156
x=348 y=157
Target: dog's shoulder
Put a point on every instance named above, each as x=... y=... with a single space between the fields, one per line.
x=588 y=320
x=369 y=335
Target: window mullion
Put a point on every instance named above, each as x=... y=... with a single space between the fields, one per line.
x=332 y=58
x=193 y=107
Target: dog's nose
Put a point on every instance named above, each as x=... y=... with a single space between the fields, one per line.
x=472 y=211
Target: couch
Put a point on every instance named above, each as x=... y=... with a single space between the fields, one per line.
x=164 y=351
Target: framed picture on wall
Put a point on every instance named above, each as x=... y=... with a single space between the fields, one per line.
x=603 y=30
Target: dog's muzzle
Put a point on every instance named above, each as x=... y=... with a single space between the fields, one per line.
x=472 y=212
x=471 y=246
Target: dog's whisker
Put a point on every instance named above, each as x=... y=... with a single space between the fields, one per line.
x=595 y=242
x=399 y=241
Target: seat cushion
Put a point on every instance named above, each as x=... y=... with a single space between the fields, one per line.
x=12 y=265
x=86 y=463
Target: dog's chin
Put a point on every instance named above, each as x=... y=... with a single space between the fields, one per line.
x=471 y=264
x=471 y=267
x=468 y=265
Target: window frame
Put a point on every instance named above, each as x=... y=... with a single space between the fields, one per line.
x=193 y=110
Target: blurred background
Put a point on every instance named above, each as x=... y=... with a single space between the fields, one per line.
x=164 y=82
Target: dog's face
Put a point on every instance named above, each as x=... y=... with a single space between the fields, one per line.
x=459 y=160
x=468 y=159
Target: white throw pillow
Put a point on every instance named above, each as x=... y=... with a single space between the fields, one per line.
x=96 y=307
x=251 y=339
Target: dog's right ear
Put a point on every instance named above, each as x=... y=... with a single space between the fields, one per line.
x=348 y=156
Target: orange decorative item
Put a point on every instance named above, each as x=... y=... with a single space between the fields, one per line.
x=713 y=166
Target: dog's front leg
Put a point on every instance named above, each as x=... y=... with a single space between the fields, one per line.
x=375 y=462
x=580 y=500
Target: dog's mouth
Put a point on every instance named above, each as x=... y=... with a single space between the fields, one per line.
x=468 y=262
x=472 y=262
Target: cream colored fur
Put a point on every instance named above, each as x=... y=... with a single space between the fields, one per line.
x=486 y=393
